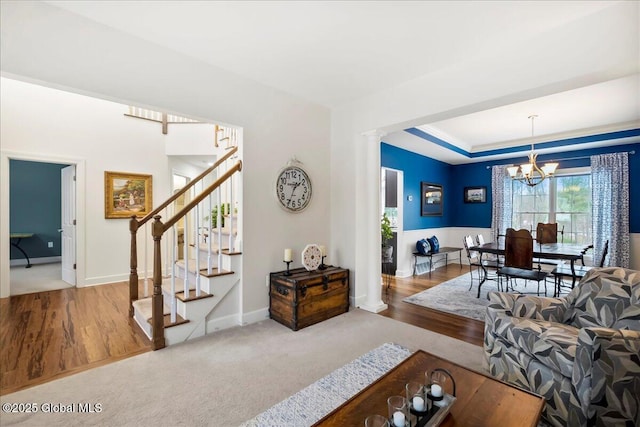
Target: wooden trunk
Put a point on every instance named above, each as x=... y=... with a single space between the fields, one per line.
x=307 y=297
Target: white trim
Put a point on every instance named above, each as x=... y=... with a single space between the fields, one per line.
x=5 y=156
x=255 y=316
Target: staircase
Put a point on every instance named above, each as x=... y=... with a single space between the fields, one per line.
x=186 y=291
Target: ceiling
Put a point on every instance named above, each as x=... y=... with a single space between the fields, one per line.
x=336 y=52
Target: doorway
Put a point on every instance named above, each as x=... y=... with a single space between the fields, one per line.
x=42 y=209
x=391 y=196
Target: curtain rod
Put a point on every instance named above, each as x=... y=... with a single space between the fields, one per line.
x=575 y=158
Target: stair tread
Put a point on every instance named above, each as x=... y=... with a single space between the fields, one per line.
x=144 y=307
x=203 y=270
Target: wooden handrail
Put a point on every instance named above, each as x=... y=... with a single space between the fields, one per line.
x=176 y=217
x=184 y=189
x=158 y=230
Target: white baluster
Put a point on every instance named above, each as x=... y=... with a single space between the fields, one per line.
x=219 y=224
x=186 y=254
x=210 y=234
x=145 y=280
x=197 y=245
x=174 y=256
x=230 y=195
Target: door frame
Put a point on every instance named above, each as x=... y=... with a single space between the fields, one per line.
x=5 y=156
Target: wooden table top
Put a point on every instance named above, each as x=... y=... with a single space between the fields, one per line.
x=481 y=400
x=568 y=251
x=20 y=235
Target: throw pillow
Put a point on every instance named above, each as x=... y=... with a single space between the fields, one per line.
x=433 y=242
x=423 y=247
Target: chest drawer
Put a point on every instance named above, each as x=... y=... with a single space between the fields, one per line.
x=304 y=298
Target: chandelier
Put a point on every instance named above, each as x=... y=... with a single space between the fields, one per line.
x=530 y=173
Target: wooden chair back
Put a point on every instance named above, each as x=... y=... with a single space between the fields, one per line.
x=518 y=249
x=547 y=233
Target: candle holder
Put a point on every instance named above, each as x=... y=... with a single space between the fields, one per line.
x=287 y=273
x=322 y=264
x=437 y=402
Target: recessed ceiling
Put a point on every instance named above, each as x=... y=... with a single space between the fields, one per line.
x=335 y=52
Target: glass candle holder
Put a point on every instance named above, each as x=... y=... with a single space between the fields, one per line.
x=415 y=397
x=376 y=421
x=436 y=381
x=398 y=411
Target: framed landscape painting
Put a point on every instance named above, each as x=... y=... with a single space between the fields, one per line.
x=475 y=194
x=127 y=194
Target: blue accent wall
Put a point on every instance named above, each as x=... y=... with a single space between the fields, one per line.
x=35 y=205
x=455 y=178
x=419 y=169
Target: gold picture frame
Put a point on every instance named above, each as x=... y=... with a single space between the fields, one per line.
x=127 y=194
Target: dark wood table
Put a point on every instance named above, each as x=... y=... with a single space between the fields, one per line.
x=555 y=251
x=481 y=400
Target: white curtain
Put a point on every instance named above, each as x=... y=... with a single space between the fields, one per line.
x=502 y=204
x=610 y=201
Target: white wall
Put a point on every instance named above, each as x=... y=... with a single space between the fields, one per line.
x=43 y=43
x=36 y=122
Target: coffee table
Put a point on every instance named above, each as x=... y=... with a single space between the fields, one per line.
x=481 y=400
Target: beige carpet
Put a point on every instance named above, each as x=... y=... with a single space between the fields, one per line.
x=38 y=278
x=228 y=377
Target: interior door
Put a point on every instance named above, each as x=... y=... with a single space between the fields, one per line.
x=68 y=182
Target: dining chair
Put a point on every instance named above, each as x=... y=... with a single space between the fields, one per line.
x=474 y=261
x=563 y=270
x=494 y=259
x=518 y=262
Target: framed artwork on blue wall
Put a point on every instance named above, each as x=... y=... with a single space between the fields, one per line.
x=475 y=194
x=431 y=199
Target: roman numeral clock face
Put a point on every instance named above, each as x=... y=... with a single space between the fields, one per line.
x=293 y=189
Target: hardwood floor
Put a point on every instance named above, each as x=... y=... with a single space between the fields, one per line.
x=49 y=335
x=462 y=328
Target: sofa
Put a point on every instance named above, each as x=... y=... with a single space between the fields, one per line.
x=580 y=352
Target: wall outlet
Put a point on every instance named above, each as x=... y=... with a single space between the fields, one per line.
x=50 y=244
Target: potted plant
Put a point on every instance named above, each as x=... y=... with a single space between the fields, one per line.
x=387 y=235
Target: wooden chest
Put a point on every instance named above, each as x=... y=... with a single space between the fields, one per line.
x=307 y=297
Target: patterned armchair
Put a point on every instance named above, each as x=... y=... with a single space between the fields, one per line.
x=581 y=352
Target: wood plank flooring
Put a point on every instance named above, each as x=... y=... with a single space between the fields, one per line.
x=49 y=335
x=462 y=328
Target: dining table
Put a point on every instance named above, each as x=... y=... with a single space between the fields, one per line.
x=547 y=251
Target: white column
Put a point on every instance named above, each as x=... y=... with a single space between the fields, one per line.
x=368 y=240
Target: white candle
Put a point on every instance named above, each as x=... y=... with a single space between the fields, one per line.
x=436 y=390
x=288 y=255
x=418 y=403
x=398 y=419
x=323 y=250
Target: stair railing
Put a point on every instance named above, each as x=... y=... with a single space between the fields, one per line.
x=135 y=224
x=158 y=229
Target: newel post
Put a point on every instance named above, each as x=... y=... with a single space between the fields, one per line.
x=133 y=263
x=157 y=302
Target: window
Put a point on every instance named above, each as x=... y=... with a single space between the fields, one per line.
x=565 y=199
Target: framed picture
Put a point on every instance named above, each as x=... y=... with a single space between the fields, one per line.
x=475 y=194
x=431 y=199
x=127 y=194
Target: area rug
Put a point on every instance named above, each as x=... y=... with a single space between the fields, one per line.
x=312 y=403
x=455 y=297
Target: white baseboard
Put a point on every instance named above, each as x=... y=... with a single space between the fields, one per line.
x=220 y=323
x=34 y=261
x=255 y=316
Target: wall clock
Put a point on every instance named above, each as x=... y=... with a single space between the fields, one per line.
x=311 y=257
x=293 y=188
